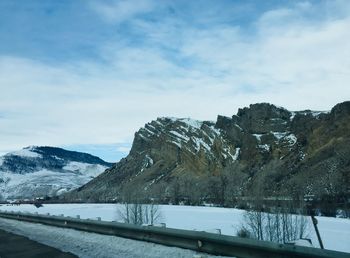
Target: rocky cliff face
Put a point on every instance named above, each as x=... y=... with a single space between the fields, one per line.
x=46 y=171
x=263 y=146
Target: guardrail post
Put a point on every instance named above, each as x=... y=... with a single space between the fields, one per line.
x=314 y=222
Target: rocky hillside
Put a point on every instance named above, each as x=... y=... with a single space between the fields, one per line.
x=263 y=149
x=46 y=171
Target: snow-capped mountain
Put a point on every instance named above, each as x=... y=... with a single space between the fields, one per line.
x=46 y=171
x=263 y=147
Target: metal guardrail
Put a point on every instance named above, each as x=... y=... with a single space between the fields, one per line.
x=194 y=240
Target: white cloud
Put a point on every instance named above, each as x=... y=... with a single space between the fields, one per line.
x=180 y=70
x=119 y=11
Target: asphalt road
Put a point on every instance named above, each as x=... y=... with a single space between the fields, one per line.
x=16 y=246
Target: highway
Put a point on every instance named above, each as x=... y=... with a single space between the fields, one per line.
x=14 y=246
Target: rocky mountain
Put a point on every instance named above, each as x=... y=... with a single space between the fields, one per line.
x=46 y=171
x=264 y=149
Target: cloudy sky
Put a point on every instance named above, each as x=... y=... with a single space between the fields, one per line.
x=86 y=75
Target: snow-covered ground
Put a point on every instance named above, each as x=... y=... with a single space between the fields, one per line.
x=335 y=232
x=86 y=245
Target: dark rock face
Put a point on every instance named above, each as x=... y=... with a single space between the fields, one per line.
x=263 y=118
x=282 y=152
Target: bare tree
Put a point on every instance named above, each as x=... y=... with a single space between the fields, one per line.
x=134 y=211
x=138 y=214
x=152 y=214
x=283 y=222
x=278 y=226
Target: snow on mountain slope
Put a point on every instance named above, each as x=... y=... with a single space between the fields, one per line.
x=46 y=171
x=25 y=152
x=86 y=169
x=187 y=134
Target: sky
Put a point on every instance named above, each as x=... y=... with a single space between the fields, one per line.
x=86 y=75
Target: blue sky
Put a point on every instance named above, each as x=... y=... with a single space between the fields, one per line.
x=87 y=74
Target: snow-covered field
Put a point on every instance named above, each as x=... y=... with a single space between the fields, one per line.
x=335 y=232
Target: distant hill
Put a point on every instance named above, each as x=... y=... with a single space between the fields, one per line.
x=263 y=150
x=46 y=171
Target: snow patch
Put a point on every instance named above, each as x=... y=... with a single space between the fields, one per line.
x=318 y=113
x=147 y=162
x=92 y=170
x=184 y=128
x=182 y=137
x=143 y=137
x=176 y=143
x=279 y=135
x=26 y=152
x=199 y=143
x=58 y=158
x=153 y=181
x=61 y=191
x=215 y=130
x=292 y=116
x=315 y=114
x=257 y=136
x=192 y=123
x=264 y=147
x=235 y=156
x=148 y=131
x=292 y=139
x=158 y=122
x=150 y=125
x=240 y=128
x=188 y=121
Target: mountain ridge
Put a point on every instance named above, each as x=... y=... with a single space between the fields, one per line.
x=262 y=147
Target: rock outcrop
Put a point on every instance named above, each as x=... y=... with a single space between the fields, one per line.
x=262 y=147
